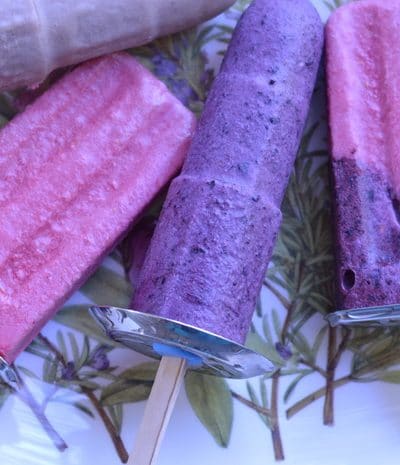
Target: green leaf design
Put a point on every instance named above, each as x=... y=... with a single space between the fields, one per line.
x=292 y=386
x=27 y=372
x=84 y=354
x=392 y=376
x=144 y=372
x=124 y=393
x=116 y=413
x=50 y=367
x=83 y=408
x=107 y=287
x=256 y=343
x=75 y=349
x=132 y=385
x=211 y=400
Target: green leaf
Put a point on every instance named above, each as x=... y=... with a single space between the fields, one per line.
x=125 y=392
x=392 y=376
x=84 y=354
x=256 y=343
x=292 y=386
x=50 y=370
x=62 y=345
x=83 y=408
x=106 y=287
x=132 y=385
x=27 y=372
x=77 y=317
x=143 y=372
x=277 y=323
x=75 y=349
x=85 y=383
x=254 y=398
x=116 y=413
x=318 y=342
x=211 y=400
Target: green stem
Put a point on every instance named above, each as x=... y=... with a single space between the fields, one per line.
x=275 y=429
x=115 y=437
x=328 y=414
x=334 y=356
x=298 y=406
x=312 y=365
x=257 y=408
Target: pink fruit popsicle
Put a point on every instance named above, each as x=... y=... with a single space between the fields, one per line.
x=211 y=247
x=38 y=36
x=363 y=71
x=76 y=169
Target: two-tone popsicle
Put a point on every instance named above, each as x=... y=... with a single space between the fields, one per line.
x=363 y=73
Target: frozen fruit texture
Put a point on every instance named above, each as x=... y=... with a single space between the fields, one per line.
x=76 y=169
x=363 y=73
x=211 y=247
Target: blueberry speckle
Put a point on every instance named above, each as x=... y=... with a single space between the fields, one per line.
x=371 y=195
x=196 y=249
x=243 y=167
x=272 y=82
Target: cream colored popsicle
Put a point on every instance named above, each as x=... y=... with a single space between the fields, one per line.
x=38 y=36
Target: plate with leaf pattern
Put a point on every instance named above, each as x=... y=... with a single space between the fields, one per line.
x=331 y=399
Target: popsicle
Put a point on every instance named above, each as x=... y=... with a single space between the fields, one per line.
x=363 y=73
x=205 y=264
x=37 y=36
x=76 y=169
x=212 y=244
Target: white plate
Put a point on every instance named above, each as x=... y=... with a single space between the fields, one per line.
x=367 y=424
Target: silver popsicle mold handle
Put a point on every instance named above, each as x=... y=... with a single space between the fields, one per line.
x=385 y=315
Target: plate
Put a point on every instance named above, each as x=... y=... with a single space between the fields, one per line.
x=83 y=396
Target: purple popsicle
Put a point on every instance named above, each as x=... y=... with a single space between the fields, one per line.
x=214 y=239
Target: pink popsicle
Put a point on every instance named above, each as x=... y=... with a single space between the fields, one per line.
x=76 y=169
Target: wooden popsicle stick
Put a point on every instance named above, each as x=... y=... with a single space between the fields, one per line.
x=159 y=407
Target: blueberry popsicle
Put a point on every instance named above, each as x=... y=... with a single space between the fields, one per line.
x=37 y=36
x=363 y=72
x=76 y=169
x=215 y=236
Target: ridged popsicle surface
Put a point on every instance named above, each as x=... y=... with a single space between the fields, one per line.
x=218 y=226
x=76 y=169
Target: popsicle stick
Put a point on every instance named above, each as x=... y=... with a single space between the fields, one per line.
x=158 y=411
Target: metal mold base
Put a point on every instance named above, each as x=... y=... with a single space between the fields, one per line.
x=8 y=375
x=155 y=336
x=385 y=315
